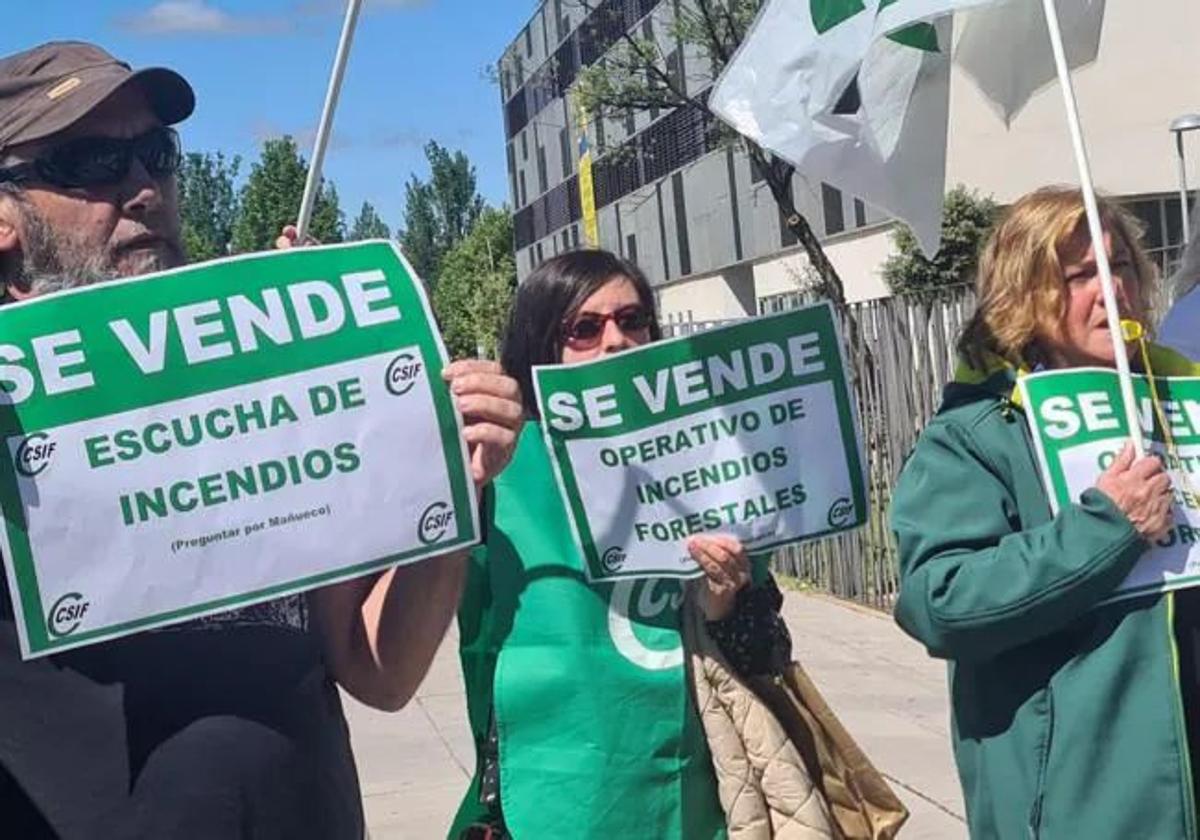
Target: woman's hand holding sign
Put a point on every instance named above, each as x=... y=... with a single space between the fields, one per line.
x=490 y=403
x=727 y=569
x=1141 y=488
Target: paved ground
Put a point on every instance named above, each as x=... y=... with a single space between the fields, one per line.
x=415 y=764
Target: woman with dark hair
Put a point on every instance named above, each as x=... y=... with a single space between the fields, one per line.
x=578 y=698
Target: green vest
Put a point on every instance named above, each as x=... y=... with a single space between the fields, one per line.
x=599 y=736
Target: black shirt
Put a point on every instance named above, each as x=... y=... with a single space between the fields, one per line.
x=227 y=727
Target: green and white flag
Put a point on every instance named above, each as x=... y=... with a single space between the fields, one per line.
x=748 y=430
x=1079 y=426
x=194 y=441
x=856 y=92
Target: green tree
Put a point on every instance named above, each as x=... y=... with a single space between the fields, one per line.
x=368 y=225
x=439 y=212
x=476 y=285
x=635 y=75
x=271 y=199
x=419 y=237
x=208 y=204
x=967 y=218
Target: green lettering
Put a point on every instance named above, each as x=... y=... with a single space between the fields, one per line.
x=177 y=500
x=98 y=453
x=347 y=457
x=157 y=447
x=211 y=490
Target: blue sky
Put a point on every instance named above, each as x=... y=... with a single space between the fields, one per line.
x=260 y=69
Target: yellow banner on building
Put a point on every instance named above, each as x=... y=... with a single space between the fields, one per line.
x=587 y=192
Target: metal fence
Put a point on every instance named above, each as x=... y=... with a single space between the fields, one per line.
x=905 y=357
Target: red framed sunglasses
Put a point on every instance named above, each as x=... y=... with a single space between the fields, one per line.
x=587 y=328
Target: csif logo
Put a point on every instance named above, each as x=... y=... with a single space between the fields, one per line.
x=613 y=560
x=840 y=513
x=33 y=454
x=402 y=374
x=434 y=523
x=66 y=615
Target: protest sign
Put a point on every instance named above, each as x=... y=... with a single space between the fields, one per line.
x=747 y=430
x=1079 y=426
x=198 y=440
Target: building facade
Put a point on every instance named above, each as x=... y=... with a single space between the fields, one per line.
x=696 y=217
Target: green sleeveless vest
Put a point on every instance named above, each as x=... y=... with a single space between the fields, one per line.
x=599 y=736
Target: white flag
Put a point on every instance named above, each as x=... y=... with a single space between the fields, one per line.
x=1005 y=50
x=789 y=88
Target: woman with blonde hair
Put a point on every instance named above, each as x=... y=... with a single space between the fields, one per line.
x=1068 y=713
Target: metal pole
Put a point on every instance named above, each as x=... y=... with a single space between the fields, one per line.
x=1095 y=227
x=1183 y=190
x=331 y=98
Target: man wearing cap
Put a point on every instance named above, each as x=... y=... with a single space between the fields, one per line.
x=229 y=726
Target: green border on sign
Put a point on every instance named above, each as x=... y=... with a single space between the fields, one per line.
x=1036 y=388
x=90 y=309
x=818 y=318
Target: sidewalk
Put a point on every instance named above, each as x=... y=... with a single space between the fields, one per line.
x=415 y=765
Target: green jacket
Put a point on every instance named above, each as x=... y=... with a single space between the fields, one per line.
x=1067 y=716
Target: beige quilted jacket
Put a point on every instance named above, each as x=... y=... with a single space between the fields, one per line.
x=765 y=789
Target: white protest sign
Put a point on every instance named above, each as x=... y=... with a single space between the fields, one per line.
x=748 y=430
x=199 y=440
x=1078 y=426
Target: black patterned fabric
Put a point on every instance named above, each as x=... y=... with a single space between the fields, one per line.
x=754 y=638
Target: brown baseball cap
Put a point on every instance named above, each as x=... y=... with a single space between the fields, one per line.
x=49 y=88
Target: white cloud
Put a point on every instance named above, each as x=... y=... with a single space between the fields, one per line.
x=262 y=130
x=179 y=17
x=318 y=7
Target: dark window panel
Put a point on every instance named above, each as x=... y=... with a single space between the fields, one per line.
x=1174 y=229
x=860 y=213
x=831 y=205
x=787 y=237
x=1150 y=215
x=756 y=173
x=564 y=149
x=523 y=228
x=681 y=224
x=651 y=79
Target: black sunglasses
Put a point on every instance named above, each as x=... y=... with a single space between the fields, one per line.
x=588 y=327
x=101 y=161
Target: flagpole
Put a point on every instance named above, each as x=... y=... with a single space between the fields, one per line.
x=331 y=99
x=1095 y=227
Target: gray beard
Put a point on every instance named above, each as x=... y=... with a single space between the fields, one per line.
x=53 y=262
